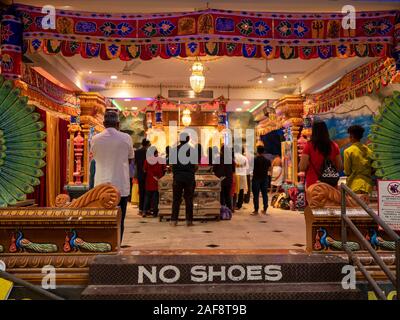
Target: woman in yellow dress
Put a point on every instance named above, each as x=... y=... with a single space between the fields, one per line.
x=357 y=162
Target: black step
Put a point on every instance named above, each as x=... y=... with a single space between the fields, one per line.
x=265 y=291
x=124 y=270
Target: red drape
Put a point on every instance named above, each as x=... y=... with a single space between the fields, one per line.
x=63 y=137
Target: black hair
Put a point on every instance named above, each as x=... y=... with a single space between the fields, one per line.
x=320 y=138
x=356 y=131
x=260 y=149
x=145 y=142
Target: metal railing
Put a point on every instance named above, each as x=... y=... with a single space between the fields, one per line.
x=29 y=286
x=346 y=221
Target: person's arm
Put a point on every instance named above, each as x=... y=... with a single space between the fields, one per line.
x=305 y=158
x=338 y=158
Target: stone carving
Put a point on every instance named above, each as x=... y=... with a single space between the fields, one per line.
x=66 y=261
x=103 y=196
x=322 y=195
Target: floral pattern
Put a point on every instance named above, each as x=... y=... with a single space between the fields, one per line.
x=150 y=29
x=299 y=29
x=284 y=28
x=245 y=27
x=108 y=29
x=192 y=47
x=165 y=27
x=342 y=49
x=26 y=20
x=6 y=33
x=124 y=29
x=261 y=28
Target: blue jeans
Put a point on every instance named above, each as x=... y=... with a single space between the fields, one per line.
x=257 y=186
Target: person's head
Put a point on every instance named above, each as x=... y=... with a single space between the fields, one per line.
x=145 y=143
x=356 y=133
x=184 y=137
x=320 y=138
x=260 y=150
x=111 y=119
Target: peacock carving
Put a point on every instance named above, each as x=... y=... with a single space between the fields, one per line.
x=74 y=243
x=322 y=195
x=384 y=133
x=21 y=145
x=378 y=242
x=21 y=244
x=1 y=248
x=324 y=242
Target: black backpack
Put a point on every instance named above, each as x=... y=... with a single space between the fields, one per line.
x=329 y=174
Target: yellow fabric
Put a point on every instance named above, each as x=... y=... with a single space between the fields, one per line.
x=5 y=288
x=52 y=160
x=357 y=167
x=135 y=192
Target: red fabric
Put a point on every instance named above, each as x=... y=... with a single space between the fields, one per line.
x=153 y=171
x=63 y=137
x=316 y=161
x=40 y=191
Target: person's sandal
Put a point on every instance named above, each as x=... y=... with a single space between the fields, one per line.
x=254 y=213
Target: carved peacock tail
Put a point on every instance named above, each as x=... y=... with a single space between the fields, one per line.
x=95 y=246
x=21 y=145
x=338 y=245
x=41 y=247
x=1 y=248
x=387 y=245
x=384 y=133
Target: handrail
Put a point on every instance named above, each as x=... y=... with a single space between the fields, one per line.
x=346 y=221
x=29 y=286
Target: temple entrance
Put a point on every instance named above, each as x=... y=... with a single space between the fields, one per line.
x=226 y=78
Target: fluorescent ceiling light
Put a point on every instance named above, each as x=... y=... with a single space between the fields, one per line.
x=114 y=77
x=257 y=106
x=259 y=81
x=246 y=102
x=270 y=79
x=238 y=109
x=127 y=99
x=134 y=108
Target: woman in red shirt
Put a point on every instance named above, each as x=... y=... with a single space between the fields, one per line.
x=155 y=169
x=316 y=150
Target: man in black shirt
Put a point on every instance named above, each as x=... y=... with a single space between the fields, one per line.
x=184 y=165
x=225 y=167
x=260 y=180
x=140 y=157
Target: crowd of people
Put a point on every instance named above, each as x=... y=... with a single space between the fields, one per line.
x=241 y=172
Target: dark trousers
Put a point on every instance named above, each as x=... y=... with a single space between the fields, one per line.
x=151 y=198
x=257 y=186
x=247 y=195
x=225 y=197
x=185 y=188
x=130 y=190
x=142 y=191
x=240 y=198
x=123 y=203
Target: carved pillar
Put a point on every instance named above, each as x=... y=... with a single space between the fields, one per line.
x=291 y=108
x=93 y=107
x=72 y=129
x=86 y=131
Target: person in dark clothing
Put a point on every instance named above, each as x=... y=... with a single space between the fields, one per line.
x=260 y=180
x=224 y=168
x=140 y=157
x=183 y=159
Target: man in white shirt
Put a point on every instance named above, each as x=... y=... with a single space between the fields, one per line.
x=113 y=151
x=242 y=167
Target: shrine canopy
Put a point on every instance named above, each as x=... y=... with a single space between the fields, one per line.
x=208 y=32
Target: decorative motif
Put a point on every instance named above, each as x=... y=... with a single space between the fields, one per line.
x=102 y=196
x=324 y=242
x=21 y=145
x=6 y=33
x=65 y=25
x=1 y=248
x=261 y=28
x=206 y=24
x=26 y=20
x=150 y=29
x=322 y=195
x=284 y=28
x=74 y=243
x=34 y=262
x=165 y=27
x=186 y=26
x=85 y=27
x=20 y=244
x=245 y=27
x=108 y=28
x=377 y=242
x=383 y=135
x=225 y=25
x=300 y=29
x=124 y=28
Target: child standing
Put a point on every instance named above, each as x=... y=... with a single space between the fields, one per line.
x=154 y=168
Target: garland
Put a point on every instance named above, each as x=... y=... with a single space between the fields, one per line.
x=362 y=81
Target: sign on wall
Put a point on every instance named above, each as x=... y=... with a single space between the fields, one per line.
x=389 y=202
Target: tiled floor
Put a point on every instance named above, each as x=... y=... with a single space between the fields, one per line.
x=279 y=232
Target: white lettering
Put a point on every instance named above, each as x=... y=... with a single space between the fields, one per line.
x=254 y=273
x=273 y=273
x=212 y=274
x=49 y=278
x=142 y=271
x=199 y=274
x=175 y=278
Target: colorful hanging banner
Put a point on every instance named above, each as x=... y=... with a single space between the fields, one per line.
x=38 y=88
x=364 y=80
x=211 y=32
